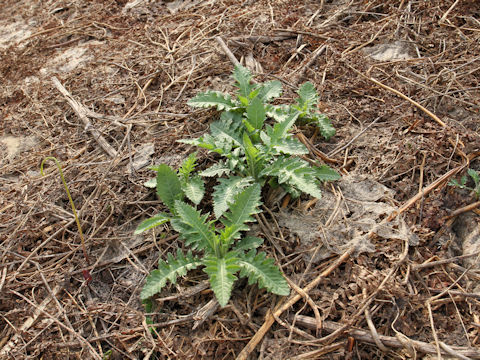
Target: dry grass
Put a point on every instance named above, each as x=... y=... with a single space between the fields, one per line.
x=406 y=123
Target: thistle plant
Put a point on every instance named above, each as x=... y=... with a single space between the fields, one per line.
x=221 y=247
x=255 y=150
x=255 y=141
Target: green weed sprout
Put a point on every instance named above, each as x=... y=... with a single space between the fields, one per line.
x=86 y=273
x=255 y=150
x=463 y=181
x=224 y=249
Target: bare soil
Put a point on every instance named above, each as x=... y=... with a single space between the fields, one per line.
x=400 y=82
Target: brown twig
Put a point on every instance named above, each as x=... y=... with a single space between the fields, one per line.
x=389 y=341
x=270 y=318
x=227 y=51
x=82 y=114
x=8 y=348
x=403 y=96
x=462 y=210
x=426 y=191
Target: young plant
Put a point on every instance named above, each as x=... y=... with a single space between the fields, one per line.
x=86 y=273
x=171 y=186
x=224 y=248
x=255 y=151
x=463 y=181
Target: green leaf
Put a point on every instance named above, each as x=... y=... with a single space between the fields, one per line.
x=242 y=76
x=168 y=271
x=217 y=169
x=194 y=189
x=326 y=173
x=227 y=236
x=279 y=113
x=291 y=147
x=212 y=99
x=250 y=128
x=474 y=175
x=296 y=173
x=455 y=183
x=194 y=228
x=188 y=166
x=207 y=141
x=244 y=205
x=233 y=118
x=226 y=130
x=252 y=154
x=256 y=113
x=243 y=100
x=307 y=96
x=248 y=243
x=253 y=94
x=281 y=129
x=269 y=90
x=152 y=222
x=151 y=184
x=263 y=271
x=324 y=125
x=225 y=191
x=169 y=188
x=221 y=273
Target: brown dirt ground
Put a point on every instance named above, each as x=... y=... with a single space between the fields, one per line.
x=136 y=68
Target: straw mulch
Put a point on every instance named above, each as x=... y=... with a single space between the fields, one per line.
x=93 y=82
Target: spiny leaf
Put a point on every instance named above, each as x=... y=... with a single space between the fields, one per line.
x=152 y=222
x=188 y=165
x=279 y=113
x=269 y=90
x=252 y=155
x=291 y=147
x=326 y=173
x=308 y=96
x=233 y=117
x=193 y=227
x=212 y=99
x=248 y=243
x=207 y=141
x=244 y=205
x=281 y=129
x=194 y=189
x=256 y=113
x=254 y=92
x=250 y=128
x=151 y=184
x=227 y=236
x=225 y=191
x=227 y=130
x=169 y=188
x=242 y=76
x=474 y=175
x=296 y=173
x=221 y=273
x=263 y=271
x=168 y=271
x=324 y=125
x=217 y=169
x=455 y=183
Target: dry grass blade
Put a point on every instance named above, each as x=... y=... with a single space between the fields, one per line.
x=390 y=341
x=270 y=318
x=82 y=114
x=130 y=68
